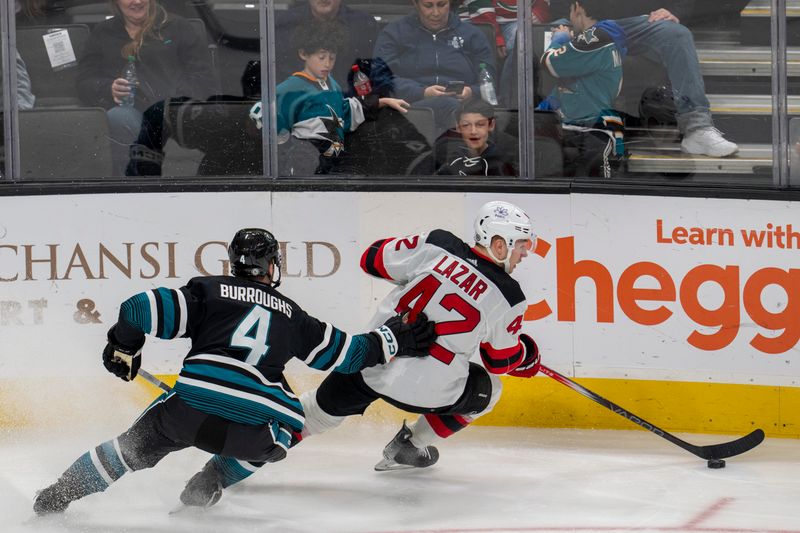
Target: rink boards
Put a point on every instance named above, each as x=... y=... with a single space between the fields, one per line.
x=682 y=310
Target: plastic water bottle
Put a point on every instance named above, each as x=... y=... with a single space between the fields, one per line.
x=361 y=82
x=487 y=86
x=133 y=81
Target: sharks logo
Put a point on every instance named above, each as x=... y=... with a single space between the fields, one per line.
x=332 y=125
x=588 y=37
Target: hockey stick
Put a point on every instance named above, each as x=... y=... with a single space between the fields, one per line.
x=154 y=380
x=712 y=451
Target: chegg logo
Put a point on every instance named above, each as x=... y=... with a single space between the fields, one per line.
x=738 y=294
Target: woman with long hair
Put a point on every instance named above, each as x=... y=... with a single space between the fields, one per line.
x=171 y=59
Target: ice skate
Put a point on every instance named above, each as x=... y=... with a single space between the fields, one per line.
x=204 y=489
x=51 y=500
x=400 y=454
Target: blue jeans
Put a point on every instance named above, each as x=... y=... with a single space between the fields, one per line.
x=672 y=45
x=124 y=123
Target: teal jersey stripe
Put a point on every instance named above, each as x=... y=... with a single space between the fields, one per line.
x=234 y=408
x=224 y=374
x=356 y=354
x=136 y=310
x=167 y=312
x=326 y=358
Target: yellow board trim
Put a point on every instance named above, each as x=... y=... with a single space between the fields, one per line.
x=539 y=402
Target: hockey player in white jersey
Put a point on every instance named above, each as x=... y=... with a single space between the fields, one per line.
x=478 y=309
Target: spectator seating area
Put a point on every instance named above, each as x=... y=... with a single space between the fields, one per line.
x=732 y=41
x=733 y=45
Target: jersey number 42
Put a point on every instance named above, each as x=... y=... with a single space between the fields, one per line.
x=417 y=299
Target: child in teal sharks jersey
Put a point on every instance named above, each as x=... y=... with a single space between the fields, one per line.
x=586 y=61
x=312 y=108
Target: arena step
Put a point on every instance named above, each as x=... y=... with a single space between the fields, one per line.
x=748 y=104
x=755 y=22
x=744 y=118
x=668 y=159
x=732 y=60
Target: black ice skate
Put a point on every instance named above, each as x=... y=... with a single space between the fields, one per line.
x=401 y=454
x=204 y=489
x=53 y=499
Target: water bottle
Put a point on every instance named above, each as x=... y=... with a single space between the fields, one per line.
x=487 y=86
x=361 y=82
x=133 y=81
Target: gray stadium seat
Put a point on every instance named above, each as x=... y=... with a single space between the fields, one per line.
x=422 y=119
x=64 y=143
x=52 y=87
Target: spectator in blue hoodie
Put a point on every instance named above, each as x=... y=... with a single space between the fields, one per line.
x=587 y=65
x=429 y=48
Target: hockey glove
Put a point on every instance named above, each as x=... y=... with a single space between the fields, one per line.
x=122 y=361
x=399 y=338
x=530 y=365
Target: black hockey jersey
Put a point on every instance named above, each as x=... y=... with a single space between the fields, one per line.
x=243 y=333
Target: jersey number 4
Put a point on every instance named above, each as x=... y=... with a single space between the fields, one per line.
x=418 y=297
x=251 y=334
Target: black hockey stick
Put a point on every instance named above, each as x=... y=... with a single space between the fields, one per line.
x=712 y=451
x=147 y=376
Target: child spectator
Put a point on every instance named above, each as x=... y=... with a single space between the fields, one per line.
x=588 y=70
x=362 y=29
x=477 y=152
x=313 y=113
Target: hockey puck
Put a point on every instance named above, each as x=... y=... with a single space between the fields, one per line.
x=716 y=463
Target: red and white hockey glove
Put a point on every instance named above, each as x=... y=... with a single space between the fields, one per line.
x=530 y=365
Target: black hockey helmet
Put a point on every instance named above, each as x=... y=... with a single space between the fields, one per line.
x=251 y=251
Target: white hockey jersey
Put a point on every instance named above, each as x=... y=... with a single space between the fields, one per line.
x=476 y=305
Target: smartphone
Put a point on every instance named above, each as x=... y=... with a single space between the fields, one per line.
x=455 y=87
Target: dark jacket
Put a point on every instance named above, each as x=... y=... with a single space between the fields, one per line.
x=500 y=158
x=419 y=58
x=361 y=31
x=176 y=64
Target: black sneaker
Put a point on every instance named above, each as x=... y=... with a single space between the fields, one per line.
x=204 y=489
x=400 y=453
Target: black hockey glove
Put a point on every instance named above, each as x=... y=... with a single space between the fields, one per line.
x=122 y=361
x=402 y=339
x=529 y=366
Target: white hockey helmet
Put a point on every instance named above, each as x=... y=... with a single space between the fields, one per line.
x=505 y=220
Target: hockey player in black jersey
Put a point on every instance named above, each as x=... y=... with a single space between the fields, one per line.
x=231 y=398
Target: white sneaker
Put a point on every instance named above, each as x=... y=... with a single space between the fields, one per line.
x=708 y=141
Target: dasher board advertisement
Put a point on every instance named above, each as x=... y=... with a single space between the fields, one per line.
x=634 y=287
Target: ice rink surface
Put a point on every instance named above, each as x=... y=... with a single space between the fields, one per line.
x=487 y=480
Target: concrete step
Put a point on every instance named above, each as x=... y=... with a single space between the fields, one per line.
x=755 y=22
x=762 y=9
x=731 y=60
x=666 y=158
x=748 y=104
